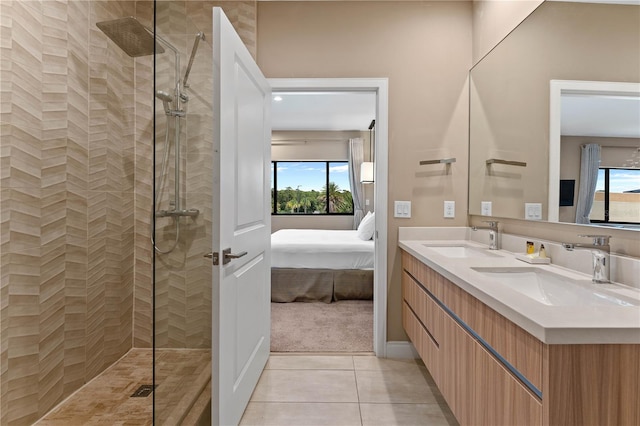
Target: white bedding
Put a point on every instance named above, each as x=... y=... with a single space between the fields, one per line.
x=319 y=248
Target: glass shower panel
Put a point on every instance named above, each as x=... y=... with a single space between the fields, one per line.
x=183 y=191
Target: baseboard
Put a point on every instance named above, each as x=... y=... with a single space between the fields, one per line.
x=401 y=350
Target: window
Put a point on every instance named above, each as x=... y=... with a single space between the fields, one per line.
x=617 y=197
x=310 y=187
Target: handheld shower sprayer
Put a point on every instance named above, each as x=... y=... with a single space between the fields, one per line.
x=166 y=100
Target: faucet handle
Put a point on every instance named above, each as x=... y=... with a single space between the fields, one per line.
x=598 y=240
x=492 y=223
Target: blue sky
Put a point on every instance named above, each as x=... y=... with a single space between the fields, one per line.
x=620 y=180
x=311 y=175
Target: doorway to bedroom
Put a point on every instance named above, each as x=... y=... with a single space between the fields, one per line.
x=323 y=218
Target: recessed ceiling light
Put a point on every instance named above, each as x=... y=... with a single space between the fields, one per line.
x=277 y=98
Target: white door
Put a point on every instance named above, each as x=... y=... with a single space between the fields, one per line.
x=241 y=224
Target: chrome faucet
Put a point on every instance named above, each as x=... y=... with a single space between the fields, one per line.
x=600 y=251
x=494 y=244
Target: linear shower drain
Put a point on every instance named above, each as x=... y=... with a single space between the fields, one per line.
x=143 y=390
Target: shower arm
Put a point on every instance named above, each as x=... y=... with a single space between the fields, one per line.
x=178 y=88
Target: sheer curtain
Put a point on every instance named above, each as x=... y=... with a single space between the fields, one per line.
x=356 y=156
x=589 y=165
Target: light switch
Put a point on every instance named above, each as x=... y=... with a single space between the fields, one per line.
x=533 y=211
x=402 y=209
x=449 y=209
x=485 y=208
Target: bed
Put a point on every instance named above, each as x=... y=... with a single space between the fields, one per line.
x=320 y=265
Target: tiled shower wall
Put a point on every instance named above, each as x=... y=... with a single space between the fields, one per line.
x=75 y=196
x=67 y=201
x=183 y=277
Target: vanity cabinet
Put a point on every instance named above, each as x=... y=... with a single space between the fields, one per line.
x=493 y=372
x=477 y=387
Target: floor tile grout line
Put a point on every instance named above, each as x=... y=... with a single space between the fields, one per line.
x=355 y=377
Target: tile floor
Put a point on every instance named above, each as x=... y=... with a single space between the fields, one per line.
x=106 y=400
x=294 y=389
x=336 y=390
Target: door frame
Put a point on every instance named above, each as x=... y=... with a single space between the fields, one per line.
x=380 y=87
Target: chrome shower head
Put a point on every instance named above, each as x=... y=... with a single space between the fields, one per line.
x=166 y=100
x=131 y=36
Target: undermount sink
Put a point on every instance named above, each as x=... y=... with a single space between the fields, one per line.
x=460 y=251
x=553 y=289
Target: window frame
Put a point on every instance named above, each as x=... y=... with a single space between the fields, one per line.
x=607 y=179
x=274 y=211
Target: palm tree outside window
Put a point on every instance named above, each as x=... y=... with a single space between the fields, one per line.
x=310 y=187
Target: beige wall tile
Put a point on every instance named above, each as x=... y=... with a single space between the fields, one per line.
x=76 y=180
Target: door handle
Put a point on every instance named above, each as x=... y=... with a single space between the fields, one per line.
x=227 y=256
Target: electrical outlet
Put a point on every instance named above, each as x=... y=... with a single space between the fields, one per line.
x=449 y=209
x=366 y=202
x=533 y=211
x=485 y=208
x=402 y=209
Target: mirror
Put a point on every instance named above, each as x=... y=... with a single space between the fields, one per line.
x=510 y=99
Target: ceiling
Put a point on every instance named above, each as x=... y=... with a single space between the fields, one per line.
x=601 y=115
x=322 y=110
x=582 y=115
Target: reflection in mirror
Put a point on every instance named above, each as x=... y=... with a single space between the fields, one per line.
x=604 y=116
x=510 y=104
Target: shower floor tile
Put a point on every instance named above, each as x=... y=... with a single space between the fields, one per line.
x=106 y=400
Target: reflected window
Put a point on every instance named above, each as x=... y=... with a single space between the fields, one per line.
x=617 y=196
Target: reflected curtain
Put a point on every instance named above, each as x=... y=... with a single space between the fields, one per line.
x=356 y=157
x=589 y=165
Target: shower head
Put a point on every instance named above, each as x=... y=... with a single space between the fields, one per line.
x=166 y=100
x=164 y=96
x=131 y=36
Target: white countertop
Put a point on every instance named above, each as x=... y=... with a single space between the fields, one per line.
x=551 y=324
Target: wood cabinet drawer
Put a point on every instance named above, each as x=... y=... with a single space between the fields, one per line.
x=478 y=388
x=500 y=399
x=426 y=276
x=424 y=343
x=424 y=307
x=519 y=348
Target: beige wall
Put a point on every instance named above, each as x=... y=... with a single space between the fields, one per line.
x=494 y=19
x=424 y=48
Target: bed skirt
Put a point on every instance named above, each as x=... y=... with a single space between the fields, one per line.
x=324 y=285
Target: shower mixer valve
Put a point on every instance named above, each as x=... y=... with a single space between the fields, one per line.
x=178 y=213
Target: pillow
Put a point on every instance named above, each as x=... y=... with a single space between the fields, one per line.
x=367 y=227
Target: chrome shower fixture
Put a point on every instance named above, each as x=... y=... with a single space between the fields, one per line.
x=137 y=40
x=196 y=42
x=131 y=36
x=166 y=100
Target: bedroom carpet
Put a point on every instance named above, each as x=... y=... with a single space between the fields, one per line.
x=343 y=326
